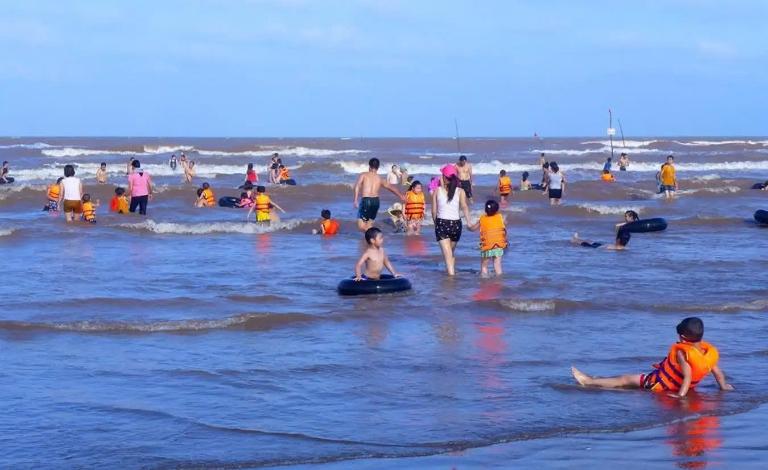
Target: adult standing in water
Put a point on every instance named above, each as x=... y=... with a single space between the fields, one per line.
x=555 y=184
x=274 y=168
x=368 y=185
x=139 y=188
x=4 y=178
x=393 y=177
x=668 y=178
x=71 y=194
x=623 y=162
x=172 y=162
x=464 y=169
x=448 y=202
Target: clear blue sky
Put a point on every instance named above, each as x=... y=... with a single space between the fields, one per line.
x=382 y=67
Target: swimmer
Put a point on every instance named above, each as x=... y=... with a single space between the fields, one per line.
x=623 y=162
x=263 y=205
x=53 y=193
x=668 y=178
x=374 y=259
x=206 y=197
x=245 y=201
x=607 y=176
x=189 y=171
x=119 y=202
x=493 y=238
x=172 y=162
x=688 y=362
x=396 y=216
x=89 y=209
x=394 y=175
x=415 y=207
x=4 y=174
x=504 y=186
x=525 y=184
x=464 y=170
x=129 y=166
x=607 y=165
x=368 y=185
x=328 y=226
x=200 y=201
x=101 y=174
x=250 y=175
x=622 y=235
x=555 y=184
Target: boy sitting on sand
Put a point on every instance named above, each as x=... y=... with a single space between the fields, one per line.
x=374 y=259
x=689 y=360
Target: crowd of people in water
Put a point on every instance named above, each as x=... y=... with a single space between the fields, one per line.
x=451 y=195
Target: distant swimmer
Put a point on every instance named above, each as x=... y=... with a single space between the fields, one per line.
x=374 y=259
x=101 y=173
x=607 y=176
x=608 y=164
x=555 y=184
x=504 y=186
x=263 y=205
x=250 y=175
x=622 y=235
x=525 y=183
x=668 y=178
x=493 y=238
x=189 y=171
x=4 y=178
x=368 y=185
x=623 y=162
x=172 y=162
x=89 y=209
x=544 y=176
x=328 y=226
x=394 y=175
x=415 y=207
x=119 y=202
x=464 y=169
x=689 y=361
x=542 y=159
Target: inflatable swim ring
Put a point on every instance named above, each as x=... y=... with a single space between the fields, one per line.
x=645 y=225
x=289 y=182
x=8 y=180
x=761 y=217
x=229 y=201
x=758 y=186
x=386 y=285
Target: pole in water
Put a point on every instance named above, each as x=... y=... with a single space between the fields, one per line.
x=611 y=130
x=458 y=139
x=621 y=129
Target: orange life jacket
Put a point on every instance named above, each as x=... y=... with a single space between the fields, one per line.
x=414 y=205
x=89 y=212
x=505 y=185
x=493 y=234
x=210 y=199
x=607 y=177
x=284 y=175
x=330 y=227
x=54 y=191
x=669 y=374
x=263 y=204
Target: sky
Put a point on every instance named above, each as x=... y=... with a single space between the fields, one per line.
x=377 y=68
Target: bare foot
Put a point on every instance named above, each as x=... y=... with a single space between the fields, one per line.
x=582 y=378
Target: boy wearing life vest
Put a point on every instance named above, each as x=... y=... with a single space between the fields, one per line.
x=119 y=202
x=373 y=260
x=505 y=186
x=263 y=205
x=89 y=209
x=688 y=361
x=207 y=197
x=607 y=176
x=284 y=174
x=54 y=191
x=493 y=238
x=415 y=207
x=328 y=226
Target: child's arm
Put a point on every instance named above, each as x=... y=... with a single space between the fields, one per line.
x=385 y=184
x=474 y=226
x=275 y=205
x=389 y=267
x=686 y=369
x=720 y=379
x=322 y=228
x=359 y=266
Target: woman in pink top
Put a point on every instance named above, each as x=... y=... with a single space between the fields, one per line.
x=139 y=188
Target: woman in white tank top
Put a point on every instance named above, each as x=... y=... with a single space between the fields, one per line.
x=448 y=202
x=555 y=184
x=71 y=194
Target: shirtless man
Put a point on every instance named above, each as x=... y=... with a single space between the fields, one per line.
x=374 y=260
x=369 y=184
x=465 y=176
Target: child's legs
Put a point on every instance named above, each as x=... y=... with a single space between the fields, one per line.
x=497 y=264
x=484 y=266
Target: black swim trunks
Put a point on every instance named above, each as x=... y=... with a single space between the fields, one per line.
x=466 y=185
x=450 y=229
x=555 y=193
x=369 y=209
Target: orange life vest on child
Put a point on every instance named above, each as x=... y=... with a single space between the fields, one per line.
x=493 y=234
x=607 y=177
x=330 y=226
x=263 y=204
x=210 y=199
x=54 y=191
x=284 y=175
x=505 y=185
x=414 y=205
x=669 y=374
x=89 y=212
x=114 y=204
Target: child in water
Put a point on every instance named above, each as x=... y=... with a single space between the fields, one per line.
x=119 y=202
x=245 y=201
x=89 y=209
x=493 y=238
x=53 y=193
x=504 y=186
x=525 y=184
x=101 y=174
x=622 y=235
x=205 y=198
x=688 y=362
x=374 y=260
x=396 y=216
x=607 y=176
x=263 y=205
x=328 y=226
x=415 y=207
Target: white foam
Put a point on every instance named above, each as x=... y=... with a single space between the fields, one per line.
x=529 y=305
x=4 y=232
x=266 y=152
x=709 y=143
x=213 y=227
x=81 y=152
x=155 y=149
x=620 y=143
x=35 y=146
x=604 y=209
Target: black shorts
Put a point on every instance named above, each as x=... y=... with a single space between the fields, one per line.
x=555 y=193
x=466 y=185
x=450 y=229
x=591 y=245
x=369 y=209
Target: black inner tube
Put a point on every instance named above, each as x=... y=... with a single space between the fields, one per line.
x=387 y=284
x=229 y=201
x=646 y=225
x=761 y=216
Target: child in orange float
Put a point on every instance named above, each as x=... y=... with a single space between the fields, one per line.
x=689 y=360
x=414 y=208
x=493 y=238
x=328 y=226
